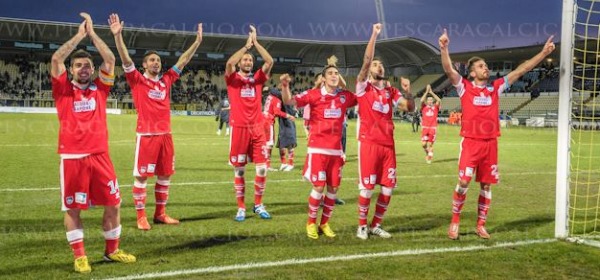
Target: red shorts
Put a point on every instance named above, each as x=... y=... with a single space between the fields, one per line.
x=428 y=134
x=322 y=170
x=376 y=166
x=270 y=133
x=480 y=156
x=247 y=144
x=154 y=154
x=88 y=181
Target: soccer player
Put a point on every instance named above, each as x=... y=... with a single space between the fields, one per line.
x=323 y=166
x=377 y=154
x=154 y=151
x=248 y=140
x=223 y=116
x=480 y=128
x=430 y=107
x=87 y=175
x=272 y=109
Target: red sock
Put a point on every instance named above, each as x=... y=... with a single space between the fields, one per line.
x=328 y=205
x=75 y=238
x=458 y=200
x=139 y=199
x=485 y=198
x=259 y=189
x=111 y=238
x=314 y=200
x=363 y=209
x=282 y=155
x=239 y=185
x=382 y=204
x=291 y=157
x=161 y=194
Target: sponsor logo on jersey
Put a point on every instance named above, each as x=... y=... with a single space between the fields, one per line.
x=80 y=198
x=333 y=113
x=157 y=94
x=85 y=105
x=247 y=92
x=69 y=200
x=322 y=176
x=380 y=107
x=429 y=113
x=482 y=100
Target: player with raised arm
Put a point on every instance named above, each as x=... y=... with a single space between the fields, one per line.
x=323 y=166
x=87 y=175
x=430 y=107
x=154 y=151
x=248 y=140
x=377 y=152
x=272 y=109
x=480 y=128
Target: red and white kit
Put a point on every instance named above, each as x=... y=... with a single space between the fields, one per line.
x=429 y=122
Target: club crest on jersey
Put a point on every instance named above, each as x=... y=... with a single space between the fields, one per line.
x=162 y=84
x=482 y=100
x=69 y=200
x=366 y=180
x=234 y=159
x=343 y=99
x=143 y=169
x=387 y=94
x=313 y=178
x=490 y=88
x=85 y=105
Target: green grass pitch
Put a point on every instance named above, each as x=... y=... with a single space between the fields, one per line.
x=34 y=246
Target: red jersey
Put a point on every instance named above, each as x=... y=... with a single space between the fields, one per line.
x=273 y=109
x=480 y=108
x=375 y=109
x=429 y=115
x=152 y=99
x=82 y=114
x=327 y=114
x=245 y=97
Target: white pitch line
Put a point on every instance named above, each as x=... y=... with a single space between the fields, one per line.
x=411 y=252
x=281 y=181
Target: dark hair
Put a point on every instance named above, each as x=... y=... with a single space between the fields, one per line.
x=150 y=52
x=472 y=61
x=327 y=67
x=80 y=54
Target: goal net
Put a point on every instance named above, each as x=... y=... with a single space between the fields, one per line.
x=578 y=158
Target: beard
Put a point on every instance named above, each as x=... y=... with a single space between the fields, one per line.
x=378 y=77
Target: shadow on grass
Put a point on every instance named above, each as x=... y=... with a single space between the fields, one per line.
x=445 y=160
x=525 y=224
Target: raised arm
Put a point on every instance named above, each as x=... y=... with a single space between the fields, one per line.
x=233 y=60
x=268 y=60
x=107 y=55
x=363 y=75
x=451 y=73
x=424 y=96
x=58 y=58
x=185 y=58
x=526 y=66
x=407 y=103
x=116 y=27
x=437 y=98
x=286 y=94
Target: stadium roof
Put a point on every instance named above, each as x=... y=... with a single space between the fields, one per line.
x=395 y=52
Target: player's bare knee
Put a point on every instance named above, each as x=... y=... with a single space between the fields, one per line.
x=141 y=180
x=366 y=193
x=261 y=170
x=387 y=191
x=319 y=189
x=463 y=184
x=163 y=178
x=485 y=186
x=332 y=189
x=239 y=171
